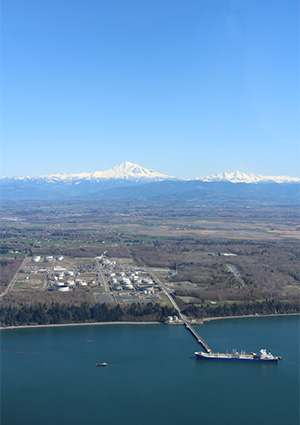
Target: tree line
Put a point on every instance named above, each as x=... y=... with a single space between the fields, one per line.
x=43 y=314
x=267 y=306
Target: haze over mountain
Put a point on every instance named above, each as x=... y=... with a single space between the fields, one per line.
x=131 y=181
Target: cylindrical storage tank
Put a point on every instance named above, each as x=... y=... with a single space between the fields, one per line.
x=63 y=288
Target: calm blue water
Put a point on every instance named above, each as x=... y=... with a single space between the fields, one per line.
x=48 y=375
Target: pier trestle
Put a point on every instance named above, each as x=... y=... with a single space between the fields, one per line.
x=199 y=339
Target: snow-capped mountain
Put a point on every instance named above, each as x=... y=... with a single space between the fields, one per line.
x=62 y=186
x=129 y=181
x=239 y=177
x=125 y=171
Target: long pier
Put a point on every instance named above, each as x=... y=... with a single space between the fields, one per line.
x=188 y=326
x=198 y=337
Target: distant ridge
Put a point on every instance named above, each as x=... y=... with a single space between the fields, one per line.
x=239 y=177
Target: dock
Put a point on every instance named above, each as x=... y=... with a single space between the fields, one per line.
x=187 y=325
x=199 y=339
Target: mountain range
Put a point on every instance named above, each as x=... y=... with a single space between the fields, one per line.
x=131 y=181
x=129 y=171
x=125 y=171
x=238 y=177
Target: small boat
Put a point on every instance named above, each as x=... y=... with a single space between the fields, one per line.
x=102 y=364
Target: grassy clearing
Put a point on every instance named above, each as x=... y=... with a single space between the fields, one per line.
x=165 y=300
x=126 y=261
x=21 y=285
x=13 y=255
x=87 y=261
x=67 y=262
x=97 y=289
x=25 y=241
x=71 y=262
x=195 y=251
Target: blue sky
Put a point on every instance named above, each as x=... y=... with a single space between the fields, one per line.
x=185 y=87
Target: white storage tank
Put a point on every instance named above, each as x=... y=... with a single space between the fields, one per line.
x=125 y=280
x=48 y=259
x=63 y=288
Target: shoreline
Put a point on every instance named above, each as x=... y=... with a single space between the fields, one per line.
x=55 y=325
x=200 y=322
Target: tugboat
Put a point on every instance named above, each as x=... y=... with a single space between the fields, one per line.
x=102 y=364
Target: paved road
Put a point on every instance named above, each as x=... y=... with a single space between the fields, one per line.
x=102 y=277
x=46 y=278
x=167 y=293
x=11 y=284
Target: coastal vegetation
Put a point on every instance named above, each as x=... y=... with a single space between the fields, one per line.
x=43 y=314
x=242 y=309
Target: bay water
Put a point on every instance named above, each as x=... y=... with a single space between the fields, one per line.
x=49 y=375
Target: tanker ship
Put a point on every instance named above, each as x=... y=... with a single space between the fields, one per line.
x=264 y=356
